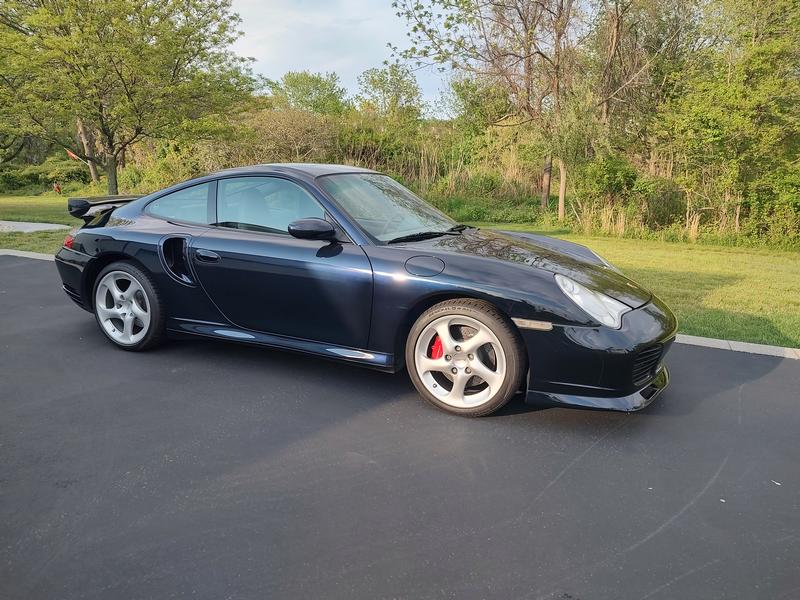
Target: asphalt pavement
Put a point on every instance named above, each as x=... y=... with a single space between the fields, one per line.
x=212 y=470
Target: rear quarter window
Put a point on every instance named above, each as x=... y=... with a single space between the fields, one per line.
x=189 y=205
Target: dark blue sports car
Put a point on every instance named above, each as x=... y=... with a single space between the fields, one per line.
x=346 y=263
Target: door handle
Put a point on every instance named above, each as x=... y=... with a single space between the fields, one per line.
x=206 y=255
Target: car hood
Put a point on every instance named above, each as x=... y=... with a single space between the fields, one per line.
x=550 y=254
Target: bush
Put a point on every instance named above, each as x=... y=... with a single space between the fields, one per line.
x=498 y=210
x=607 y=177
x=15 y=179
x=660 y=200
x=63 y=172
x=773 y=209
x=483 y=184
x=163 y=166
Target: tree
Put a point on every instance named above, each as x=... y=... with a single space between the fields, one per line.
x=523 y=46
x=637 y=51
x=313 y=92
x=127 y=69
x=477 y=103
x=391 y=92
x=87 y=143
x=735 y=125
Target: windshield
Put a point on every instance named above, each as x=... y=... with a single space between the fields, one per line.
x=382 y=207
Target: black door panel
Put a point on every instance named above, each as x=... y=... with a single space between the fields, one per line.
x=278 y=284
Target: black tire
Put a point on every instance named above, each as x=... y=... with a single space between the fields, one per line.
x=157 y=326
x=505 y=332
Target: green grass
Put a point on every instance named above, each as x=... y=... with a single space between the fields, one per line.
x=734 y=293
x=47 y=242
x=737 y=293
x=37 y=209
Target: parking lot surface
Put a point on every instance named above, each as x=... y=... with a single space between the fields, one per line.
x=209 y=470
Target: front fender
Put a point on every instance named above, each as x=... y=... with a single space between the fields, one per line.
x=520 y=292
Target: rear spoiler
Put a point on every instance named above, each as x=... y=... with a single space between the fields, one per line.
x=87 y=208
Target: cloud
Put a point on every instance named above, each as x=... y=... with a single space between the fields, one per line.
x=345 y=36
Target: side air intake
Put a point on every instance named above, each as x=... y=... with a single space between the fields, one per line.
x=174 y=252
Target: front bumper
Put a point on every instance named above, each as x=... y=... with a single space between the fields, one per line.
x=598 y=367
x=632 y=402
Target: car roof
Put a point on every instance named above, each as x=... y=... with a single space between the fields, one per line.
x=307 y=169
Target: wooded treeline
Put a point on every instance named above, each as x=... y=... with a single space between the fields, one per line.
x=678 y=118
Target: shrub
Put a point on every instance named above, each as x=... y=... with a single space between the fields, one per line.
x=660 y=200
x=14 y=179
x=163 y=165
x=63 y=171
x=482 y=184
x=607 y=177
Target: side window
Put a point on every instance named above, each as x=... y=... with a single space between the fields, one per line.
x=263 y=204
x=189 y=204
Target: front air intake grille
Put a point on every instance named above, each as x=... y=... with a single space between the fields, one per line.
x=646 y=363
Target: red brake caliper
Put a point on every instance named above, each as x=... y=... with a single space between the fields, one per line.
x=436 y=350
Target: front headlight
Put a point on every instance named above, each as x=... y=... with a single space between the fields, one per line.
x=598 y=306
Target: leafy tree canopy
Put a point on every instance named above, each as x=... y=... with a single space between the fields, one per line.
x=127 y=69
x=391 y=91
x=313 y=92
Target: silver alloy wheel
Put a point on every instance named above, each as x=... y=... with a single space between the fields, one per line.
x=472 y=366
x=122 y=308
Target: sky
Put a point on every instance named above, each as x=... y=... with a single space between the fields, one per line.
x=345 y=36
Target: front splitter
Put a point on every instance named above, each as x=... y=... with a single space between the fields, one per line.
x=633 y=402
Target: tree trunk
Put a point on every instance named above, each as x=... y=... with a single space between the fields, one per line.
x=93 y=171
x=562 y=189
x=111 y=173
x=548 y=169
x=88 y=150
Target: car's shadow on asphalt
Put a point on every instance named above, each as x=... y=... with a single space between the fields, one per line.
x=371 y=386
x=697 y=375
x=311 y=372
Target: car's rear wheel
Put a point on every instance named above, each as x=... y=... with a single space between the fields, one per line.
x=127 y=307
x=465 y=357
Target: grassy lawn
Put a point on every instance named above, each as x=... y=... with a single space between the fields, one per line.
x=744 y=294
x=47 y=242
x=38 y=209
x=720 y=292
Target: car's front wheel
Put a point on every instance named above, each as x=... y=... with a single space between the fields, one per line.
x=127 y=307
x=465 y=357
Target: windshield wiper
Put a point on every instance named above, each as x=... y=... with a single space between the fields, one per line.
x=420 y=235
x=461 y=227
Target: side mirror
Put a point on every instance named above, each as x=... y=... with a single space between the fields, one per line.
x=312 y=229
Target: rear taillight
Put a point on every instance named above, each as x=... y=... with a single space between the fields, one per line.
x=69 y=240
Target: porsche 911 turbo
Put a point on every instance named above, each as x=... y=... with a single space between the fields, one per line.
x=346 y=263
